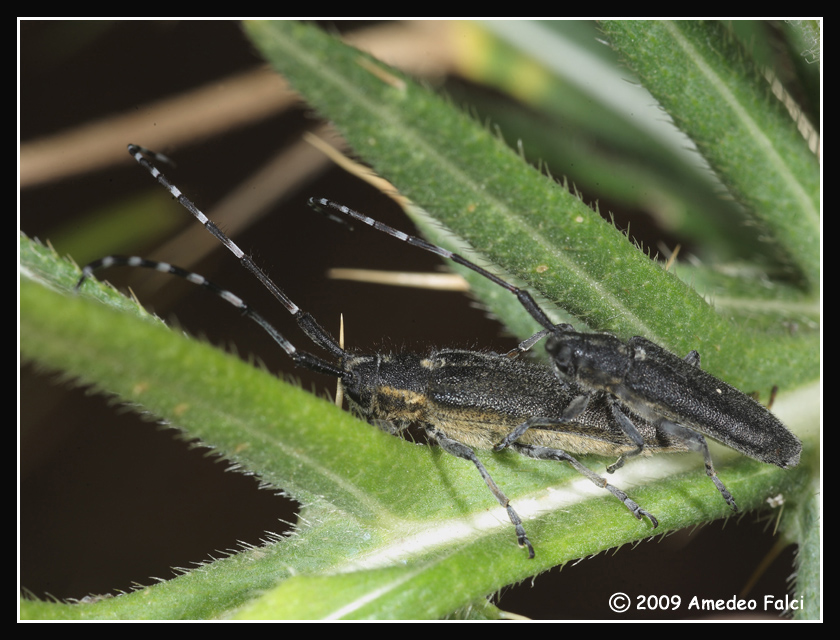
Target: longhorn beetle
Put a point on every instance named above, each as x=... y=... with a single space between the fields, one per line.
x=679 y=400
x=462 y=399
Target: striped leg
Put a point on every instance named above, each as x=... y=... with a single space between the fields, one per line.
x=301 y=358
x=307 y=323
x=525 y=298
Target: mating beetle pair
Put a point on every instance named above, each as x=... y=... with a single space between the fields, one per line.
x=602 y=396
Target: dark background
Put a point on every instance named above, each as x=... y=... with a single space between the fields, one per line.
x=109 y=501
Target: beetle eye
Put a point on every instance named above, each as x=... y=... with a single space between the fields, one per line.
x=561 y=354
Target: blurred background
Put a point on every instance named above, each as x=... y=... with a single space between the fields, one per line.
x=109 y=501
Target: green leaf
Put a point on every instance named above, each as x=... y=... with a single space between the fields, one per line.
x=389 y=529
x=717 y=96
x=436 y=526
x=468 y=179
